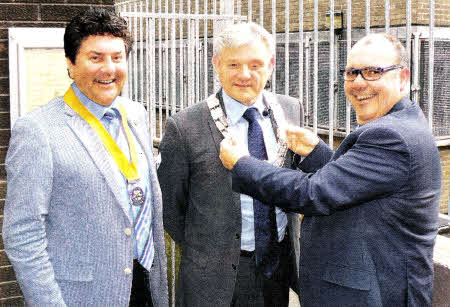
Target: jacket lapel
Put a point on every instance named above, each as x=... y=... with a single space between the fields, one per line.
x=269 y=97
x=215 y=133
x=140 y=131
x=101 y=158
x=217 y=137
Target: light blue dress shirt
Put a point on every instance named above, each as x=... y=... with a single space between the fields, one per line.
x=98 y=111
x=238 y=128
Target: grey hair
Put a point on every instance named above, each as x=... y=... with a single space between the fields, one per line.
x=240 y=34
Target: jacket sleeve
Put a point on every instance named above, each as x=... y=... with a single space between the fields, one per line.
x=377 y=165
x=173 y=175
x=319 y=157
x=29 y=186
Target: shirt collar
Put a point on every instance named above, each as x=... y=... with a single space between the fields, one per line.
x=400 y=105
x=235 y=109
x=96 y=109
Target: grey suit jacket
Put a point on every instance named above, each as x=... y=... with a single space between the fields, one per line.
x=201 y=212
x=64 y=230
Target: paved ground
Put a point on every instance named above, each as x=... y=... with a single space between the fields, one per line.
x=293 y=299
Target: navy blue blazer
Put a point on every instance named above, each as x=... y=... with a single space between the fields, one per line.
x=370 y=212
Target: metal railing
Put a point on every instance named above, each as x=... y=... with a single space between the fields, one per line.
x=170 y=65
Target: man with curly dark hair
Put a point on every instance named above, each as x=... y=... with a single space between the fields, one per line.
x=83 y=216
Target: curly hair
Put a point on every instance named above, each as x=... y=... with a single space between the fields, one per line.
x=94 y=21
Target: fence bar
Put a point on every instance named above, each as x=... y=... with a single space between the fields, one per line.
x=348 y=108
x=286 y=49
x=300 y=52
x=130 y=60
x=126 y=2
x=173 y=59
x=131 y=56
x=160 y=79
x=331 y=79
x=408 y=34
x=415 y=67
x=316 y=63
x=261 y=12
x=189 y=56
x=197 y=55
x=431 y=68
x=135 y=56
x=239 y=7
x=141 y=60
x=147 y=74
x=387 y=15
x=216 y=83
x=181 y=58
x=151 y=53
x=307 y=79
x=166 y=66
x=274 y=33
x=121 y=7
x=205 y=52
x=174 y=109
x=191 y=63
x=185 y=16
x=249 y=9
x=367 y=16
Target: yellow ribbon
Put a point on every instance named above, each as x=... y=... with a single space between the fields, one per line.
x=128 y=169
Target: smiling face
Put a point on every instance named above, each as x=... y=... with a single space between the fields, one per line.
x=243 y=71
x=100 y=68
x=373 y=99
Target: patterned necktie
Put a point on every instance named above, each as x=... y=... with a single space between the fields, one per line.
x=143 y=233
x=266 y=235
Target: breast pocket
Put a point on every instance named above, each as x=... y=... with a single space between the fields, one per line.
x=204 y=166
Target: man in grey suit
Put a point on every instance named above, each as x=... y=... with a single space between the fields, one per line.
x=83 y=213
x=226 y=258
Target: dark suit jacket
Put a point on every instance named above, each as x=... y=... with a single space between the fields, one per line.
x=370 y=212
x=201 y=212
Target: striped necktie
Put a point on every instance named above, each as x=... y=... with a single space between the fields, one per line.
x=143 y=231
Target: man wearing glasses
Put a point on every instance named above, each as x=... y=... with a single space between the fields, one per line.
x=371 y=207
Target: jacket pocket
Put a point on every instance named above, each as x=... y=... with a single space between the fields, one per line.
x=194 y=256
x=76 y=272
x=347 y=277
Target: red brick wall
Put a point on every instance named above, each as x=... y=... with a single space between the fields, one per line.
x=24 y=13
x=445 y=163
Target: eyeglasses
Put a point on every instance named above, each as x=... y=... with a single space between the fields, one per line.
x=368 y=73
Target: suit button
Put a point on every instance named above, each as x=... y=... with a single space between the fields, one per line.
x=238 y=236
x=233 y=266
x=127 y=231
x=127 y=271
